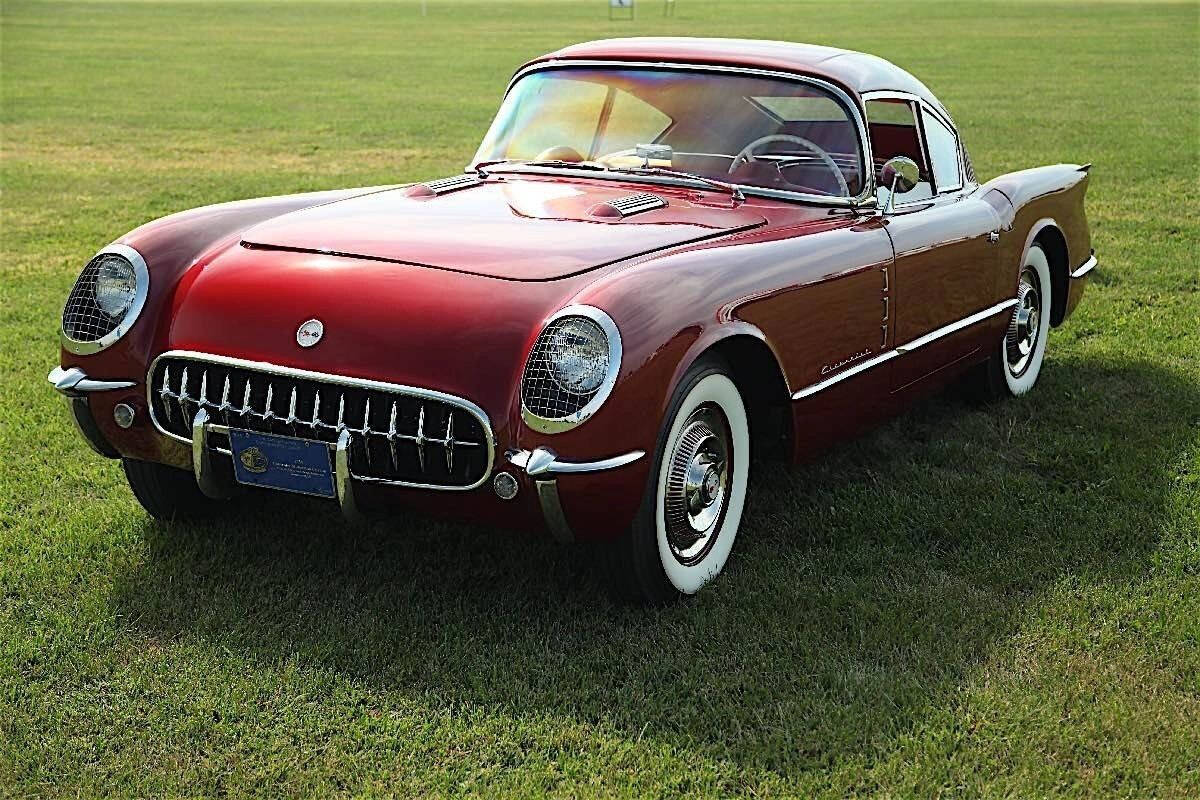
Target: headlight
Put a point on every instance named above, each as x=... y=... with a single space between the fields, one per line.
x=571 y=369
x=106 y=299
x=578 y=351
x=115 y=285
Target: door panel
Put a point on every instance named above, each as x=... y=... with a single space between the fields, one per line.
x=945 y=270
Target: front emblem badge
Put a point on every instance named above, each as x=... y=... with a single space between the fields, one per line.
x=310 y=333
x=254 y=460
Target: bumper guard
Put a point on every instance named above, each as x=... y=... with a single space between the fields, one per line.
x=544 y=467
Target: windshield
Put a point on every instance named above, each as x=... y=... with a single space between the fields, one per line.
x=749 y=130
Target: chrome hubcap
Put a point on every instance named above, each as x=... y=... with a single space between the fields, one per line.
x=1025 y=325
x=698 y=484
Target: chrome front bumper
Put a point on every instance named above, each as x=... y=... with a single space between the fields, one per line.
x=543 y=466
x=75 y=386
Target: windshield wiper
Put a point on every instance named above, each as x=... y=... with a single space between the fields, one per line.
x=734 y=191
x=550 y=162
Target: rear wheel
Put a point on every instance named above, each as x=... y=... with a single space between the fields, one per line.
x=693 y=505
x=166 y=492
x=1013 y=368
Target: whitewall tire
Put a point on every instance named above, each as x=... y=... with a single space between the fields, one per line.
x=1013 y=367
x=1024 y=344
x=696 y=493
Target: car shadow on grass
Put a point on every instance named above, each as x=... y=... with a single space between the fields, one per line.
x=865 y=589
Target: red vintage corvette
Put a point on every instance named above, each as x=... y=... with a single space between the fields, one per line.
x=666 y=254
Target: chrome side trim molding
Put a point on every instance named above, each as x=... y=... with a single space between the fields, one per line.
x=1085 y=268
x=920 y=341
x=954 y=327
x=544 y=461
x=71 y=382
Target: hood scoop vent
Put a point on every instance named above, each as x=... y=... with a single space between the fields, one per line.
x=629 y=205
x=443 y=185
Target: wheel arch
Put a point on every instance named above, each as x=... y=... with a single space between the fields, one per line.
x=1048 y=235
x=758 y=374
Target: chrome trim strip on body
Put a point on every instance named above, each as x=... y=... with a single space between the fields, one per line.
x=544 y=461
x=615 y=351
x=865 y=199
x=141 y=291
x=1085 y=268
x=907 y=347
x=73 y=381
x=339 y=380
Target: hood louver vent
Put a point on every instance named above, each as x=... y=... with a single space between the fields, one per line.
x=628 y=205
x=444 y=185
x=637 y=203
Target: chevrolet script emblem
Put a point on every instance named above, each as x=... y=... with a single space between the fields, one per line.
x=254 y=460
x=309 y=333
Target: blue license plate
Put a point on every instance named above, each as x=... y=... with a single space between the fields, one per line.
x=281 y=462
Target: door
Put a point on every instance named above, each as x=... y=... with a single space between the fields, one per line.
x=943 y=237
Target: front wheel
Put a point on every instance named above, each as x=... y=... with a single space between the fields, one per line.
x=1014 y=366
x=165 y=492
x=689 y=518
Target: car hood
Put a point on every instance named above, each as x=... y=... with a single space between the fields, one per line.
x=505 y=227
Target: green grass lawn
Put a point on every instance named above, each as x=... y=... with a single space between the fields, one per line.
x=999 y=601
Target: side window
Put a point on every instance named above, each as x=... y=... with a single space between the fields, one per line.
x=943 y=152
x=892 y=125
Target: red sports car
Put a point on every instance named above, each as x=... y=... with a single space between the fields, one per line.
x=666 y=254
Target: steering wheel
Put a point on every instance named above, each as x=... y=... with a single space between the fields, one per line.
x=747 y=153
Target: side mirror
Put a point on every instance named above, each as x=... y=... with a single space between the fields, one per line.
x=900 y=174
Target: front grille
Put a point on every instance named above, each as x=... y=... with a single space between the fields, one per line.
x=82 y=319
x=399 y=434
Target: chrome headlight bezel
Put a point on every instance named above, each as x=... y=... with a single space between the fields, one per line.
x=141 y=291
x=557 y=424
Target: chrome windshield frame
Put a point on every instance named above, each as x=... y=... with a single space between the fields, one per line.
x=864 y=200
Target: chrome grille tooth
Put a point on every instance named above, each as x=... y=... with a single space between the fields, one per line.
x=392 y=437
x=366 y=430
x=225 y=399
x=316 y=420
x=341 y=423
x=165 y=393
x=183 y=397
x=268 y=414
x=449 y=441
x=204 y=391
x=291 y=417
x=245 y=409
x=420 y=440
